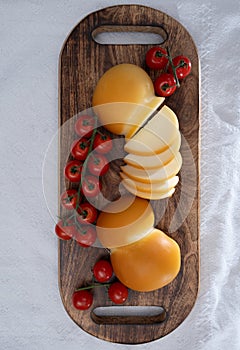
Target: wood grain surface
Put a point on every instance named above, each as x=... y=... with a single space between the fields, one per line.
x=82 y=63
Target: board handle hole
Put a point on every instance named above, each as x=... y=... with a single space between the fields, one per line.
x=128 y=314
x=129 y=34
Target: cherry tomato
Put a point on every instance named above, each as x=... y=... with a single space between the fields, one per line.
x=183 y=66
x=79 y=149
x=69 y=199
x=86 y=235
x=84 y=126
x=73 y=170
x=156 y=58
x=98 y=164
x=65 y=229
x=87 y=213
x=102 y=143
x=90 y=186
x=82 y=299
x=118 y=293
x=165 y=85
x=102 y=271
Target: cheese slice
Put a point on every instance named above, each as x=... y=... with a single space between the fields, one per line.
x=155 y=188
x=156 y=135
x=148 y=195
x=155 y=160
x=154 y=175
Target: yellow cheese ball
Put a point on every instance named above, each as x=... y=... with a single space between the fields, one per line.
x=148 y=264
x=124 y=221
x=124 y=98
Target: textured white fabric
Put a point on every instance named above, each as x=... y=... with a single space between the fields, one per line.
x=31 y=312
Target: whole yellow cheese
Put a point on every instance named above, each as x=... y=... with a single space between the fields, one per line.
x=124 y=221
x=149 y=263
x=124 y=98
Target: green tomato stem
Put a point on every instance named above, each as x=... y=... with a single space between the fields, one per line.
x=93 y=286
x=100 y=133
x=84 y=168
x=173 y=67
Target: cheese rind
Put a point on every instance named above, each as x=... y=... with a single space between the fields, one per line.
x=148 y=195
x=156 y=136
x=156 y=188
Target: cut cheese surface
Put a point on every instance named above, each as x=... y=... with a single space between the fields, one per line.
x=147 y=195
x=130 y=223
x=155 y=160
x=160 y=187
x=124 y=118
x=130 y=85
x=156 y=135
x=154 y=175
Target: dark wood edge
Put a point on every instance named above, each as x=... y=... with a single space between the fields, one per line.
x=131 y=321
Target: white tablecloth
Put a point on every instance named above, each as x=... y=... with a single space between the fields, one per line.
x=31 y=312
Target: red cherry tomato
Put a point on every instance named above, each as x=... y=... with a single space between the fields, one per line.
x=102 y=271
x=118 y=293
x=86 y=235
x=183 y=66
x=91 y=186
x=102 y=143
x=79 y=149
x=85 y=125
x=98 y=164
x=165 y=85
x=82 y=299
x=73 y=171
x=65 y=229
x=156 y=58
x=69 y=199
x=87 y=213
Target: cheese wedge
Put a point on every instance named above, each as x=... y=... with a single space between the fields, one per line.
x=155 y=160
x=124 y=98
x=154 y=175
x=160 y=187
x=148 y=195
x=156 y=136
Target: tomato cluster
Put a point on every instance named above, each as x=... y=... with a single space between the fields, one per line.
x=82 y=298
x=89 y=162
x=174 y=69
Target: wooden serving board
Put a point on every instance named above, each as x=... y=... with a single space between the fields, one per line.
x=82 y=62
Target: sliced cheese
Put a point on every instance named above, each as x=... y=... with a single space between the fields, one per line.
x=160 y=187
x=155 y=160
x=154 y=175
x=147 y=195
x=156 y=135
